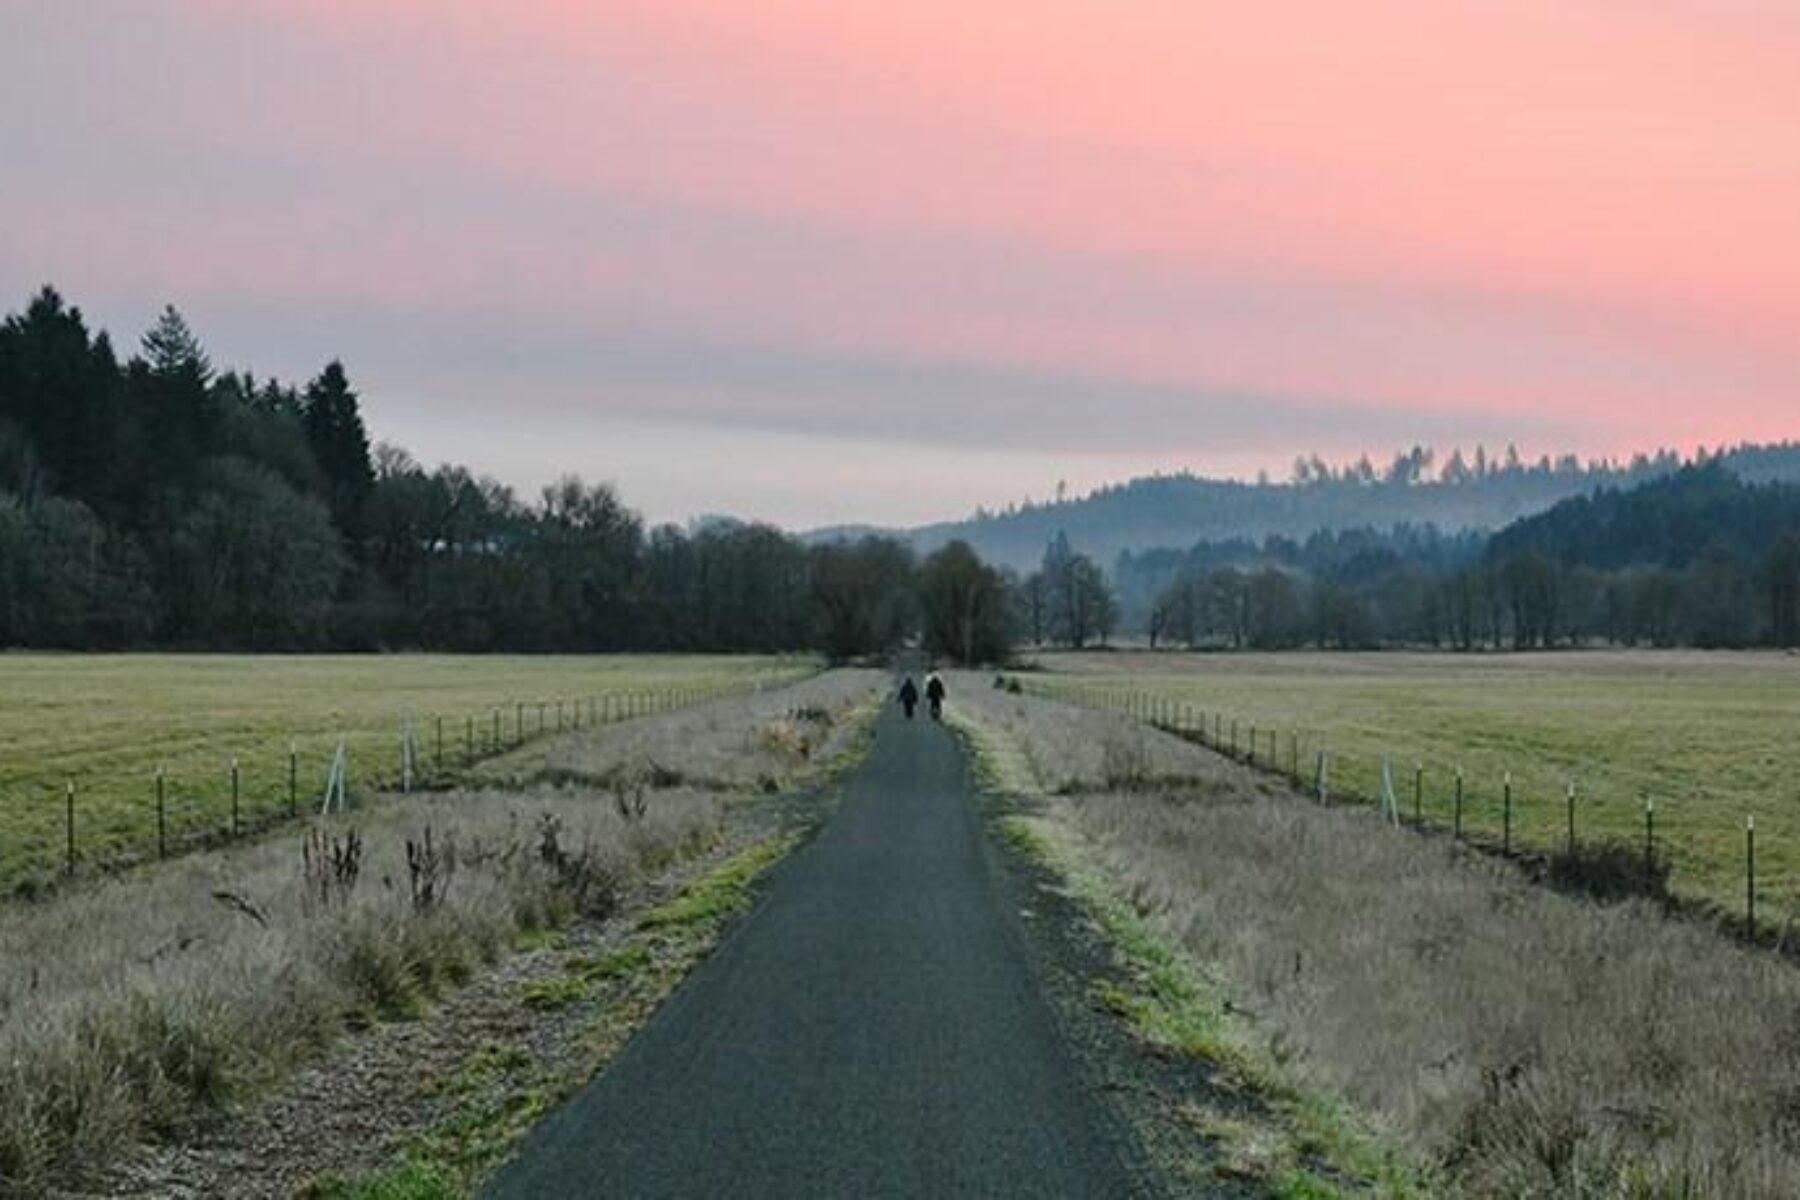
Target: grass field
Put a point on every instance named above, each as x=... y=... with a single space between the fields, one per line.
x=109 y=723
x=1711 y=738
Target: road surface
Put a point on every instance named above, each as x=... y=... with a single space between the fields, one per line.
x=871 y=1029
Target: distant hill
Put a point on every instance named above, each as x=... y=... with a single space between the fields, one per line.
x=1178 y=511
x=1674 y=522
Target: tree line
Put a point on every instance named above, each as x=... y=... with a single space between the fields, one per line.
x=154 y=501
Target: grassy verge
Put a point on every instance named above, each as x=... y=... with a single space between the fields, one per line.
x=502 y=1091
x=1300 y=1142
x=192 y=989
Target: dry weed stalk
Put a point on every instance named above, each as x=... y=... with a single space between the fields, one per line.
x=429 y=869
x=330 y=867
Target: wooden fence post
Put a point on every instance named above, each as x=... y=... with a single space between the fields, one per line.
x=236 y=821
x=69 y=830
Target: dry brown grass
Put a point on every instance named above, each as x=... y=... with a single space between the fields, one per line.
x=1529 y=1042
x=1070 y=749
x=144 y=1005
x=763 y=741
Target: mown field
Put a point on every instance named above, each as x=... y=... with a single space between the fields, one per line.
x=1709 y=738
x=109 y=723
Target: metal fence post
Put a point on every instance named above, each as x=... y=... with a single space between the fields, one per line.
x=162 y=824
x=1750 y=876
x=1506 y=816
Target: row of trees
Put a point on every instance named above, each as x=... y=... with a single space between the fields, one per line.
x=157 y=502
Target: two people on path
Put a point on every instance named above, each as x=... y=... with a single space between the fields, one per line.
x=934 y=696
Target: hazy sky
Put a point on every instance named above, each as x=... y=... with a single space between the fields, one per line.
x=835 y=261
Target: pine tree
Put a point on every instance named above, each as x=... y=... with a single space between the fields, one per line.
x=340 y=444
x=173 y=352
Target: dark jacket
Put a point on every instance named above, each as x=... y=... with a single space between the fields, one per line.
x=909 y=693
x=934 y=688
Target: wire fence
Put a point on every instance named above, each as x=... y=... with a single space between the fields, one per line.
x=1592 y=839
x=253 y=792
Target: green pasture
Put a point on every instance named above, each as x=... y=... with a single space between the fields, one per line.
x=109 y=723
x=1709 y=739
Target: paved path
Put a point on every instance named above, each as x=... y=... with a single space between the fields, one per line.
x=872 y=1029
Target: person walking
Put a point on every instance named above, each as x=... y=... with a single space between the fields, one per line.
x=909 y=696
x=934 y=694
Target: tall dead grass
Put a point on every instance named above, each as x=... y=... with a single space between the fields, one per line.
x=144 y=1005
x=1071 y=750
x=764 y=741
x=1532 y=1043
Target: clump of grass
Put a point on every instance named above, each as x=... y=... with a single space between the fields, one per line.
x=172 y=1003
x=1609 y=871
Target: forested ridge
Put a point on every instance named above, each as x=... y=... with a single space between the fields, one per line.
x=1462 y=490
x=1700 y=557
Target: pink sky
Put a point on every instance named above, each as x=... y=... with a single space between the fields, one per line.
x=824 y=262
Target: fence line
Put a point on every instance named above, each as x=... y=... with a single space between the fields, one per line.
x=188 y=822
x=1218 y=732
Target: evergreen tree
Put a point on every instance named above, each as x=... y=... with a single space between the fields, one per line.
x=1784 y=591
x=170 y=383
x=340 y=445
